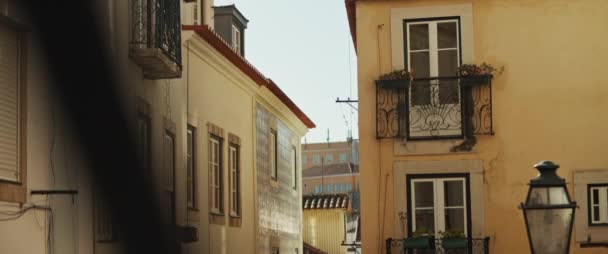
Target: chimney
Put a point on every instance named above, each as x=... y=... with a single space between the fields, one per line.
x=230 y=24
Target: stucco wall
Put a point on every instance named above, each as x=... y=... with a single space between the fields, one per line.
x=545 y=106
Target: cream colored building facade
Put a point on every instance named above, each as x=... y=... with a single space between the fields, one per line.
x=547 y=105
x=214 y=95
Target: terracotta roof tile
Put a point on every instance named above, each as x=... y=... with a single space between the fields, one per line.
x=325 y=201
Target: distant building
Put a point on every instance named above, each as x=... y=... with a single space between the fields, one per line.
x=316 y=154
x=329 y=224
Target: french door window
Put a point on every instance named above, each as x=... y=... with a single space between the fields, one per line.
x=433 y=51
x=439 y=205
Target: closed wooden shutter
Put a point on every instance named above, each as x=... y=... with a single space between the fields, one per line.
x=9 y=103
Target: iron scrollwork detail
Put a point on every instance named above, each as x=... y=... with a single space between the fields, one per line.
x=434 y=108
x=390 y=97
x=156 y=24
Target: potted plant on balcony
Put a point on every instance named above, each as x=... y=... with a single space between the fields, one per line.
x=453 y=240
x=472 y=74
x=421 y=239
x=395 y=79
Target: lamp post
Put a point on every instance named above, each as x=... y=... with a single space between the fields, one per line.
x=548 y=212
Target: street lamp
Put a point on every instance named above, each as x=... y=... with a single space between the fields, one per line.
x=548 y=212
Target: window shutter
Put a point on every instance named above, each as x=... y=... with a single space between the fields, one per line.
x=9 y=103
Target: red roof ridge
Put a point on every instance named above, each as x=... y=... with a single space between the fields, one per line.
x=246 y=67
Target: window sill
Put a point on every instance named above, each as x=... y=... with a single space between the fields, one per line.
x=194 y=209
x=217 y=218
x=12 y=192
x=235 y=221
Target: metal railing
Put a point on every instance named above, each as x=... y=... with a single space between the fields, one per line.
x=441 y=246
x=434 y=108
x=156 y=24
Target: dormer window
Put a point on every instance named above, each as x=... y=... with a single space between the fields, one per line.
x=236 y=39
x=230 y=24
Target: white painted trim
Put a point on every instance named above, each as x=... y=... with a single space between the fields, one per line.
x=476 y=180
x=465 y=11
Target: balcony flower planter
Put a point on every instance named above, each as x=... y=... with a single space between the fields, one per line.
x=392 y=83
x=474 y=80
x=420 y=242
x=454 y=243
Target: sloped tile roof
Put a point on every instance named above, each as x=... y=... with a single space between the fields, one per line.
x=325 y=201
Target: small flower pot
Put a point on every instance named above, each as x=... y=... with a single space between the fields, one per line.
x=422 y=242
x=475 y=80
x=454 y=243
x=393 y=83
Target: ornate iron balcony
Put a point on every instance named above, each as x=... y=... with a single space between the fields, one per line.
x=156 y=37
x=434 y=108
x=441 y=246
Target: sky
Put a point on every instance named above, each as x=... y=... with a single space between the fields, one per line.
x=305 y=47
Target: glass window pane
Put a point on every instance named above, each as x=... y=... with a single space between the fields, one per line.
x=420 y=64
x=596 y=196
x=596 y=213
x=551 y=196
x=424 y=194
x=448 y=62
x=425 y=220
x=453 y=193
x=549 y=222
x=419 y=36
x=447 y=35
x=420 y=93
x=448 y=92
x=454 y=219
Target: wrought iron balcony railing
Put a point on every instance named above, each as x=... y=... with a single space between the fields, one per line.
x=441 y=246
x=156 y=37
x=434 y=108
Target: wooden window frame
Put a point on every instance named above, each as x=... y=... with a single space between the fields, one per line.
x=16 y=191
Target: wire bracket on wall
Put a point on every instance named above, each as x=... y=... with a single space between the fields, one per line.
x=55 y=192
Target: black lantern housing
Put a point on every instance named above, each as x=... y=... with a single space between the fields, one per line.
x=548 y=212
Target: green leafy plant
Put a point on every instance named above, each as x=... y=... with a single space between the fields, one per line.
x=422 y=232
x=478 y=70
x=452 y=234
x=395 y=75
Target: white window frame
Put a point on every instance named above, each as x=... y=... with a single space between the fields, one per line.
x=439 y=202
x=433 y=50
x=236 y=39
x=191 y=167
x=235 y=184
x=433 y=45
x=215 y=174
x=602 y=204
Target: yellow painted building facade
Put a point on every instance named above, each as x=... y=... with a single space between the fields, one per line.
x=547 y=105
